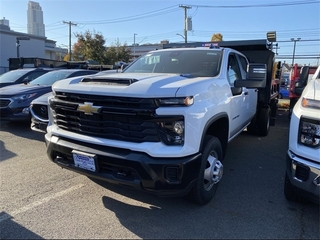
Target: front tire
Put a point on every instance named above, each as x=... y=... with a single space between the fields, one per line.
x=211 y=171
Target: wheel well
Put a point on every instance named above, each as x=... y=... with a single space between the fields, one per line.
x=220 y=129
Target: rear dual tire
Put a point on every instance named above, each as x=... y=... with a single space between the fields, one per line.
x=264 y=121
x=260 y=124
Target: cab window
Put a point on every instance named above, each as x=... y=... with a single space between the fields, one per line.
x=243 y=65
x=233 y=69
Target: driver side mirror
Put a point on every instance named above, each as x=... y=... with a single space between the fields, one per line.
x=302 y=81
x=256 y=76
x=25 y=80
x=298 y=88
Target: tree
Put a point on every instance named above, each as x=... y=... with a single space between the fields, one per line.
x=90 y=46
x=117 y=52
x=66 y=57
x=217 y=37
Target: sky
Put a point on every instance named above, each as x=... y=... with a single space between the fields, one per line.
x=151 y=21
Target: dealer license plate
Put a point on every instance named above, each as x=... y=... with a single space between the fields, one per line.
x=84 y=160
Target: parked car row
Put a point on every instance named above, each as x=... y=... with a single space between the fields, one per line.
x=24 y=75
x=15 y=99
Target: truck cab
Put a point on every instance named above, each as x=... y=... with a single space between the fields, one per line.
x=302 y=177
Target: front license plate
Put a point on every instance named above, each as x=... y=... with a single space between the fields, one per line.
x=84 y=160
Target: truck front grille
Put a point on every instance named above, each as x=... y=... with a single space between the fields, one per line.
x=125 y=119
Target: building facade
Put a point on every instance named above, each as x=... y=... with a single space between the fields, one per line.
x=35 y=23
x=34 y=44
x=15 y=44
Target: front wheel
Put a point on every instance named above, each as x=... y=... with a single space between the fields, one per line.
x=210 y=173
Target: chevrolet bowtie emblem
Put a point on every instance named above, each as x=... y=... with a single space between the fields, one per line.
x=88 y=108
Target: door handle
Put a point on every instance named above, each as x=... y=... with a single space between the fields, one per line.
x=246 y=93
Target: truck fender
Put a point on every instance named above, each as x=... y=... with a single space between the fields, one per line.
x=217 y=126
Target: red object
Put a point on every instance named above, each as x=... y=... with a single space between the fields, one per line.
x=294 y=76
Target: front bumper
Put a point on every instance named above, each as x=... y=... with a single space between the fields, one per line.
x=304 y=175
x=15 y=114
x=161 y=176
x=38 y=125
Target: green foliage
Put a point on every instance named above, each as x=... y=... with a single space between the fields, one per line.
x=91 y=46
x=117 y=52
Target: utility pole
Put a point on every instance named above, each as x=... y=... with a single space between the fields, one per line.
x=70 y=24
x=185 y=22
x=294 y=48
x=134 y=46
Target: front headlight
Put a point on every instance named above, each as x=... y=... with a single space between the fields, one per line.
x=310 y=103
x=24 y=97
x=175 y=102
x=309 y=134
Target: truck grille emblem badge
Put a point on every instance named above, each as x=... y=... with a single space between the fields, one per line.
x=88 y=108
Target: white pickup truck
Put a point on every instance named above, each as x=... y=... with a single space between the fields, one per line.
x=302 y=178
x=163 y=124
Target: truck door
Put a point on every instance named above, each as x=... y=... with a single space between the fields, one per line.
x=241 y=102
x=251 y=95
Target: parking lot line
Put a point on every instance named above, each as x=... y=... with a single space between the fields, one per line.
x=38 y=202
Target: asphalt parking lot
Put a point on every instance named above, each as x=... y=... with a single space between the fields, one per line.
x=39 y=200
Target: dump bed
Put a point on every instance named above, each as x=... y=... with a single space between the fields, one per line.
x=257 y=51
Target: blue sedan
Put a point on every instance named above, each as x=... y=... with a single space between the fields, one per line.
x=15 y=99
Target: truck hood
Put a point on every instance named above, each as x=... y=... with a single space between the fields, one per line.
x=20 y=89
x=312 y=90
x=129 y=84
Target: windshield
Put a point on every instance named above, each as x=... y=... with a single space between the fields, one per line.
x=12 y=76
x=199 y=63
x=51 y=77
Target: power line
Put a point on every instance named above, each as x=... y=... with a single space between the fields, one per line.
x=261 y=5
x=134 y=17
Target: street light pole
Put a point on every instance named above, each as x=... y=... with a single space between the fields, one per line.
x=134 y=45
x=18 y=43
x=180 y=35
x=294 y=48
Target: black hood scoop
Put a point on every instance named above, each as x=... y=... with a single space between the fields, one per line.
x=109 y=81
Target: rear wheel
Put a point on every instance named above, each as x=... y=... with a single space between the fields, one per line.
x=264 y=121
x=210 y=173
